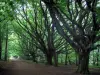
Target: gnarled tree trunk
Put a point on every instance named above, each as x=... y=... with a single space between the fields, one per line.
x=83 y=63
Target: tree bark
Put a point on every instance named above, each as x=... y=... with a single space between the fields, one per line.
x=83 y=63
x=6 y=50
x=0 y=49
x=94 y=58
x=0 y=43
x=66 y=59
x=61 y=58
x=55 y=59
x=97 y=58
x=34 y=60
x=6 y=47
x=69 y=60
x=33 y=57
x=49 y=59
x=76 y=59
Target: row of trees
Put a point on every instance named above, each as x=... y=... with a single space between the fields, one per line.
x=41 y=32
x=6 y=31
x=48 y=28
x=3 y=30
x=80 y=21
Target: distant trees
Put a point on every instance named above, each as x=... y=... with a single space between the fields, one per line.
x=94 y=57
x=5 y=24
x=1 y=28
x=6 y=44
x=42 y=34
x=0 y=43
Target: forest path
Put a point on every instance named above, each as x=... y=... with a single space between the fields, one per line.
x=29 y=68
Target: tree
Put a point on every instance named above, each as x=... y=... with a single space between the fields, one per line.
x=0 y=43
x=74 y=20
x=39 y=28
x=3 y=23
x=1 y=33
x=78 y=26
x=6 y=44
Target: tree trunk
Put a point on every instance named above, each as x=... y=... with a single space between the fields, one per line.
x=97 y=57
x=6 y=50
x=34 y=60
x=76 y=59
x=0 y=43
x=34 y=57
x=0 y=49
x=83 y=63
x=49 y=59
x=94 y=58
x=69 y=61
x=55 y=59
x=6 y=47
x=66 y=59
x=61 y=58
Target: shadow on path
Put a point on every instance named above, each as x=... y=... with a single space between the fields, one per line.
x=26 y=68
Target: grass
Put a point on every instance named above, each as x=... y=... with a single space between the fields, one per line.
x=94 y=66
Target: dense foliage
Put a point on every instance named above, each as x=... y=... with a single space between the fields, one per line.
x=51 y=31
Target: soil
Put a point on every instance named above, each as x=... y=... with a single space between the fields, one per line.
x=28 y=68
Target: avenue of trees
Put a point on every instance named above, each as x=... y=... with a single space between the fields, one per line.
x=51 y=31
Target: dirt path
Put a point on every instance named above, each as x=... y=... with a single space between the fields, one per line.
x=24 y=68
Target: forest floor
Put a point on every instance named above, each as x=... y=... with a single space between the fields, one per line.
x=28 y=68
